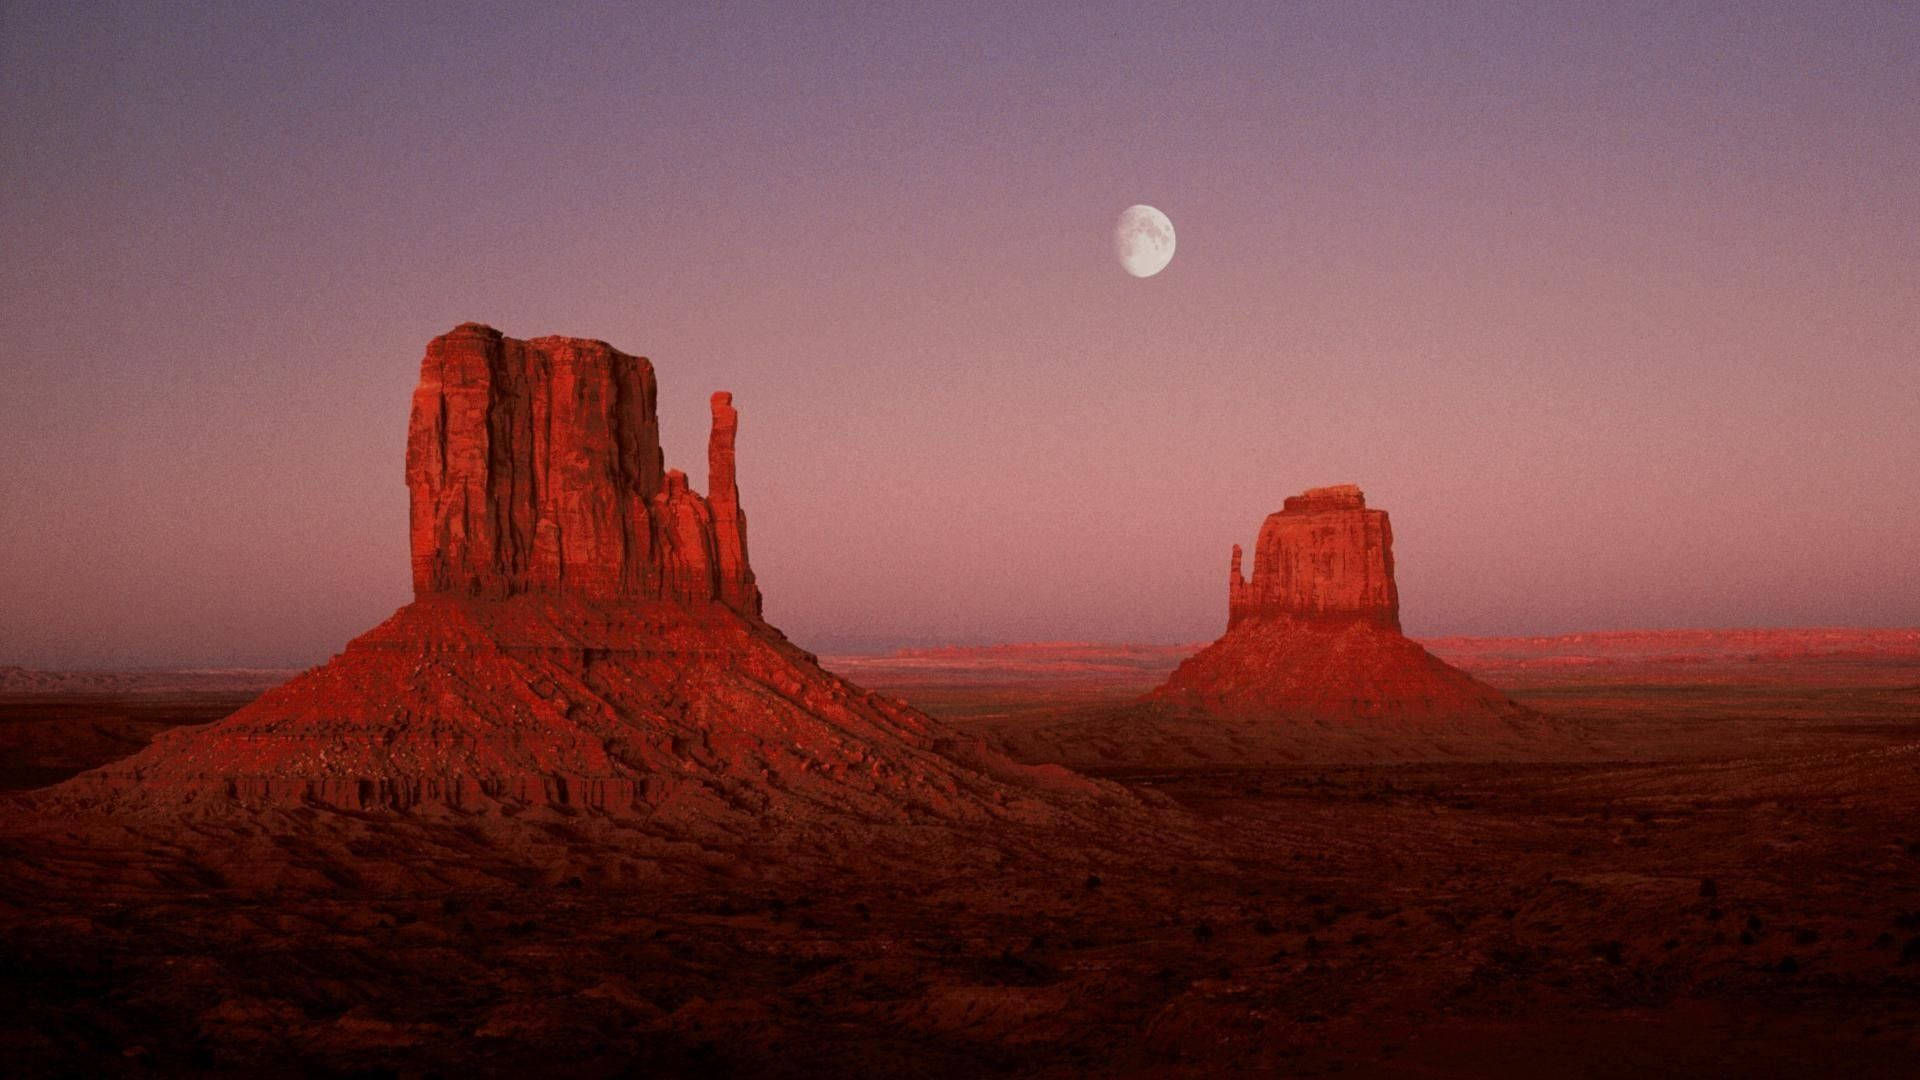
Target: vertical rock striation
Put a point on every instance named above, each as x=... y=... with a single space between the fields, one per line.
x=1323 y=553
x=535 y=467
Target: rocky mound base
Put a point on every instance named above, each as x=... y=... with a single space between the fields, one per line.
x=647 y=709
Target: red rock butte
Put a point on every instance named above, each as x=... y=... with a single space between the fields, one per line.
x=535 y=467
x=1316 y=632
x=1323 y=554
x=586 y=633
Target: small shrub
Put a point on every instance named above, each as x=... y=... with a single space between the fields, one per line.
x=1011 y=970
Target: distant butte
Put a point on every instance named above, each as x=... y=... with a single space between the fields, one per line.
x=586 y=634
x=1316 y=632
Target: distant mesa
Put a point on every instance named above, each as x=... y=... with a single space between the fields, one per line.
x=1315 y=633
x=1313 y=668
x=586 y=634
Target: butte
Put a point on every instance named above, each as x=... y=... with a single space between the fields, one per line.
x=1315 y=635
x=586 y=637
x=1313 y=667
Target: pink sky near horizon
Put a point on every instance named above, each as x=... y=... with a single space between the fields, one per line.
x=1617 y=315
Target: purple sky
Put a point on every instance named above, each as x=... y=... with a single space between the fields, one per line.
x=1616 y=312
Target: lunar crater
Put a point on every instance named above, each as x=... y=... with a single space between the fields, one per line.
x=1143 y=240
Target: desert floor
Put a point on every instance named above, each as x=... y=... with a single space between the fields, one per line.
x=1724 y=880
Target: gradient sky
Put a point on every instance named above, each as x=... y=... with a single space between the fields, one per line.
x=1614 y=307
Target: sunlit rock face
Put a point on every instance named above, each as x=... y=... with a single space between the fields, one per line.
x=535 y=467
x=1323 y=553
x=1316 y=632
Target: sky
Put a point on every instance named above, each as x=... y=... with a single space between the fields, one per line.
x=1615 y=308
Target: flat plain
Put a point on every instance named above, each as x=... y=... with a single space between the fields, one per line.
x=1721 y=877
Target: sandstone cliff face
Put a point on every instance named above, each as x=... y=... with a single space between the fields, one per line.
x=535 y=467
x=1316 y=632
x=1323 y=553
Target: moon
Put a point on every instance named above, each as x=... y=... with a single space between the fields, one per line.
x=1143 y=240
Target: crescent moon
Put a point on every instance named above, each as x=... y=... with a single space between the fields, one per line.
x=1143 y=240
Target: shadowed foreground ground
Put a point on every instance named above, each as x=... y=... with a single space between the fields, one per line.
x=1728 y=884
